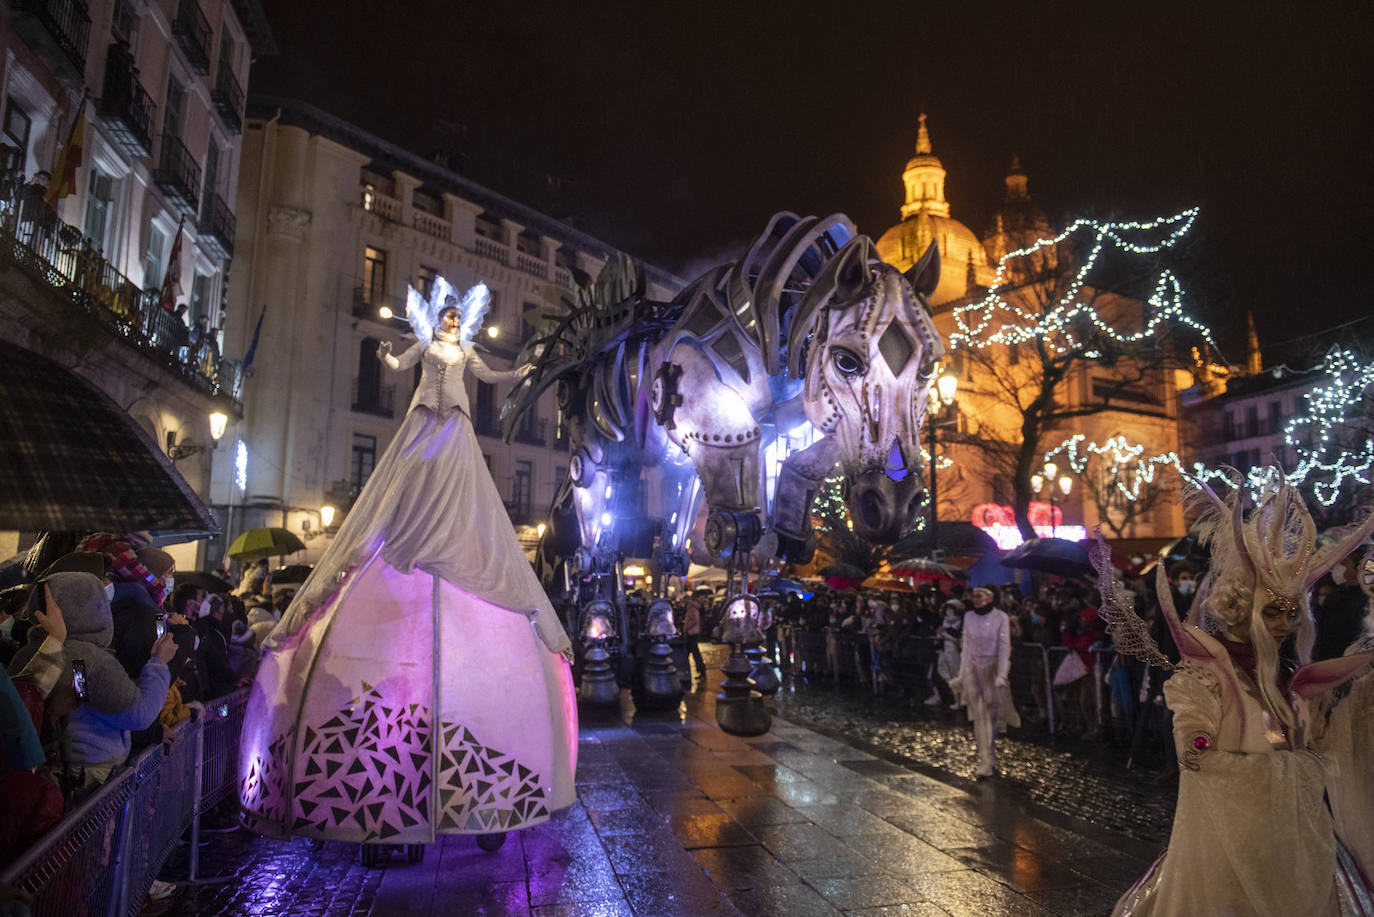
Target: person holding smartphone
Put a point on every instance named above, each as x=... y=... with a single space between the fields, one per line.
x=115 y=704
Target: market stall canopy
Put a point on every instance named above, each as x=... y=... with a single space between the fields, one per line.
x=72 y=460
x=1050 y=555
x=266 y=542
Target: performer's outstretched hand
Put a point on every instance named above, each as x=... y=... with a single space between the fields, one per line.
x=383 y=350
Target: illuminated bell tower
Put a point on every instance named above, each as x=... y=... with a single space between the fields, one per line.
x=924 y=179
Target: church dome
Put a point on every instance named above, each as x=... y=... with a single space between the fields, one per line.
x=925 y=219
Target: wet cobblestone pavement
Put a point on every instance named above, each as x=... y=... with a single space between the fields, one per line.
x=1085 y=780
x=677 y=819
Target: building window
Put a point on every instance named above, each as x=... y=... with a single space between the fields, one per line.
x=200 y=298
x=427 y=203
x=211 y=181
x=484 y=412
x=364 y=459
x=171 y=109
x=125 y=20
x=521 y=488
x=367 y=396
x=99 y=207
x=426 y=276
x=1228 y=426
x=1252 y=420
x=152 y=261
x=1275 y=417
x=560 y=473
x=529 y=316
x=17 y=128
x=374 y=275
x=369 y=196
x=560 y=428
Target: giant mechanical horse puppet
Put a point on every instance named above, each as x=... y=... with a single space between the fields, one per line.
x=810 y=327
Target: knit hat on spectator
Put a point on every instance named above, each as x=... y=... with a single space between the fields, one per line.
x=158 y=561
x=125 y=565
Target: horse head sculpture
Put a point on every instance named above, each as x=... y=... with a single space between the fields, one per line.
x=865 y=344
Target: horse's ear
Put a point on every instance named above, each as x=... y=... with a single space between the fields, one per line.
x=924 y=275
x=851 y=274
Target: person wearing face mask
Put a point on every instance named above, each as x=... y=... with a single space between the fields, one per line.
x=1340 y=613
x=984 y=664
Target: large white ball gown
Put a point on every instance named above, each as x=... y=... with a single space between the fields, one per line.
x=418 y=683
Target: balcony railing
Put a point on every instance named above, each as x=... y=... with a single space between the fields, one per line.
x=228 y=97
x=192 y=33
x=432 y=225
x=178 y=175
x=531 y=265
x=377 y=400
x=68 y=22
x=60 y=258
x=490 y=248
x=216 y=226
x=126 y=106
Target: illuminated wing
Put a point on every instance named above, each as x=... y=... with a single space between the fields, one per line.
x=417 y=313
x=473 y=309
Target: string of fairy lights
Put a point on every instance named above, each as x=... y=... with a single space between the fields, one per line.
x=997 y=319
x=1324 y=463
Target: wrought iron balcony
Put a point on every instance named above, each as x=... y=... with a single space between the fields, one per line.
x=228 y=97
x=216 y=226
x=377 y=400
x=126 y=106
x=68 y=26
x=192 y=33
x=178 y=175
x=59 y=258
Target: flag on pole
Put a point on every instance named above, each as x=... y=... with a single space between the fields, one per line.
x=63 y=180
x=171 y=280
x=253 y=345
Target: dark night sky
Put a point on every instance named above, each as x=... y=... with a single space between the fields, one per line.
x=675 y=130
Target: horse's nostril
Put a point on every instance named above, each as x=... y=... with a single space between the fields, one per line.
x=871 y=509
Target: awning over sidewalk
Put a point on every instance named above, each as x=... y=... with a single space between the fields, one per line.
x=72 y=460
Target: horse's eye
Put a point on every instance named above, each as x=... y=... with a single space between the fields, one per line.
x=846 y=361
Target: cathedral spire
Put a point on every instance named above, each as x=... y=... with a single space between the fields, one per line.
x=1254 y=361
x=924 y=179
x=922 y=137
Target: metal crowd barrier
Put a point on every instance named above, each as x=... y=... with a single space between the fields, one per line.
x=107 y=851
x=861 y=659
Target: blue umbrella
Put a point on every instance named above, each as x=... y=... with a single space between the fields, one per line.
x=1050 y=555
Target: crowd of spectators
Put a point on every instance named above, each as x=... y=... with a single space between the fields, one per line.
x=906 y=645
x=108 y=650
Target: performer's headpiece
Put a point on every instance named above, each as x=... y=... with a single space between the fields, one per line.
x=423 y=314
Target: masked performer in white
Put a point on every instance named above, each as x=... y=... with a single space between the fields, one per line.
x=1346 y=744
x=984 y=663
x=419 y=682
x=1252 y=834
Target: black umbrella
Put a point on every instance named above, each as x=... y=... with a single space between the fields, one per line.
x=208 y=581
x=1050 y=555
x=842 y=570
x=71 y=460
x=291 y=573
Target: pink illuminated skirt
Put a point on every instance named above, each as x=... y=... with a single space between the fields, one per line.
x=424 y=694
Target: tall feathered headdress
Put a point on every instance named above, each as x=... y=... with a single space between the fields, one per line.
x=423 y=314
x=1268 y=560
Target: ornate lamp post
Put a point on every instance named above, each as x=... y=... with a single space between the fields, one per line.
x=1038 y=482
x=598 y=681
x=943 y=393
x=661 y=685
x=740 y=709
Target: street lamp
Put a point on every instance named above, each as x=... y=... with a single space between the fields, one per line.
x=1038 y=482
x=942 y=396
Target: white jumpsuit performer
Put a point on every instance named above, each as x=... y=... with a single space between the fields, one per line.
x=984 y=664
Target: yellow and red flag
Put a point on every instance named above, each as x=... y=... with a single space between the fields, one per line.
x=63 y=180
x=171 y=280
